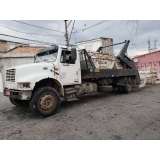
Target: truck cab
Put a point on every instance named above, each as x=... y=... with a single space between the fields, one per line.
x=66 y=64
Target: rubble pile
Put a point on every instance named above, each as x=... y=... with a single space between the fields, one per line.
x=148 y=75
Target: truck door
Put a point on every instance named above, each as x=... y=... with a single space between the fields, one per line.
x=69 y=71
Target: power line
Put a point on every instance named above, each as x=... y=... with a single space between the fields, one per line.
x=37 y=26
x=69 y=23
x=91 y=26
x=133 y=34
x=26 y=39
x=29 y=33
x=23 y=43
x=74 y=38
x=110 y=27
x=83 y=23
x=71 y=31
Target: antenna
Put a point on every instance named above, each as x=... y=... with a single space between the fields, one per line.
x=149 y=47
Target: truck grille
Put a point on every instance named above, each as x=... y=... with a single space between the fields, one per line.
x=10 y=75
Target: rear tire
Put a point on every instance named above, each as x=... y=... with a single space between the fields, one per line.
x=19 y=103
x=120 y=89
x=45 y=102
x=128 y=87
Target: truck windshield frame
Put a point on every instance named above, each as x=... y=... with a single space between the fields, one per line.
x=49 y=56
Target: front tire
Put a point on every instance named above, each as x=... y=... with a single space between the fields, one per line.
x=45 y=102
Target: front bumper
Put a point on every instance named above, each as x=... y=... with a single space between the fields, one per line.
x=16 y=94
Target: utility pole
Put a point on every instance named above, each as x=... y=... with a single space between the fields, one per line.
x=66 y=34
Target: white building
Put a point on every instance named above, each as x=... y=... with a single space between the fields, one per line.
x=94 y=44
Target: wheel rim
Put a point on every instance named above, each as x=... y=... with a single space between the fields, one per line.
x=47 y=102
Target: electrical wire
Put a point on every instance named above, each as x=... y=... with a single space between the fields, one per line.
x=27 y=39
x=74 y=38
x=91 y=26
x=110 y=27
x=133 y=34
x=28 y=33
x=84 y=23
x=37 y=26
x=71 y=31
x=69 y=23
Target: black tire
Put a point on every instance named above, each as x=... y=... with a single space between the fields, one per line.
x=128 y=87
x=45 y=102
x=19 y=103
x=114 y=87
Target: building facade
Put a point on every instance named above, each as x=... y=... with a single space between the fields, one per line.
x=94 y=44
x=148 y=61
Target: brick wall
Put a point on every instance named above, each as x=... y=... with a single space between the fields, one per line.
x=27 y=49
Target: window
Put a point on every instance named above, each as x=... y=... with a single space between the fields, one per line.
x=49 y=56
x=66 y=57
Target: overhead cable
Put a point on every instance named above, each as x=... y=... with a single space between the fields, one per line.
x=28 y=33
x=37 y=26
x=27 y=39
x=71 y=30
x=91 y=26
x=69 y=23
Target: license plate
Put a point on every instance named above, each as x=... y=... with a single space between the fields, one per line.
x=7 y=93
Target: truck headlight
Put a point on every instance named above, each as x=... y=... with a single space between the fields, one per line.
x=24 y=85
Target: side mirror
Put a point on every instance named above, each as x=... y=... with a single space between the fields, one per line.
x=73 y=55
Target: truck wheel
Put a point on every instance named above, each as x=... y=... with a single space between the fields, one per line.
x=128 y=87
x=45 y=102
x=120 y=89
x=19 y=103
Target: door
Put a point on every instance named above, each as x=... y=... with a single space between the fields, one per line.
x=69 y=71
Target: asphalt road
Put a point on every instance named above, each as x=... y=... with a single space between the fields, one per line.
x=107 y=116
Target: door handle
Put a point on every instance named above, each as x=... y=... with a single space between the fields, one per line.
x=66 y=65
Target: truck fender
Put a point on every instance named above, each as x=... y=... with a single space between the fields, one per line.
x=49 y=82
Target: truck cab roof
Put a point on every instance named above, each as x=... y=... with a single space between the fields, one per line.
x=55 y=47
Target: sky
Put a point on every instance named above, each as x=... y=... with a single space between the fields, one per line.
x=137 y=31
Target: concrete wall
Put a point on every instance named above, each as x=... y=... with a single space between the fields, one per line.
x=1 y=84
x=3 y=47
x=148 y=61
x=9 y=60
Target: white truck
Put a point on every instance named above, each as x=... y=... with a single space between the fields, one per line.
x=67 y=72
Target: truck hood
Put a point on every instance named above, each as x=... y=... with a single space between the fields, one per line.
x=32 y=65
x=29 y=73
x=32 y=72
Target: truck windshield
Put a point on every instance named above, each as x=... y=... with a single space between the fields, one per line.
x=49 y=56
